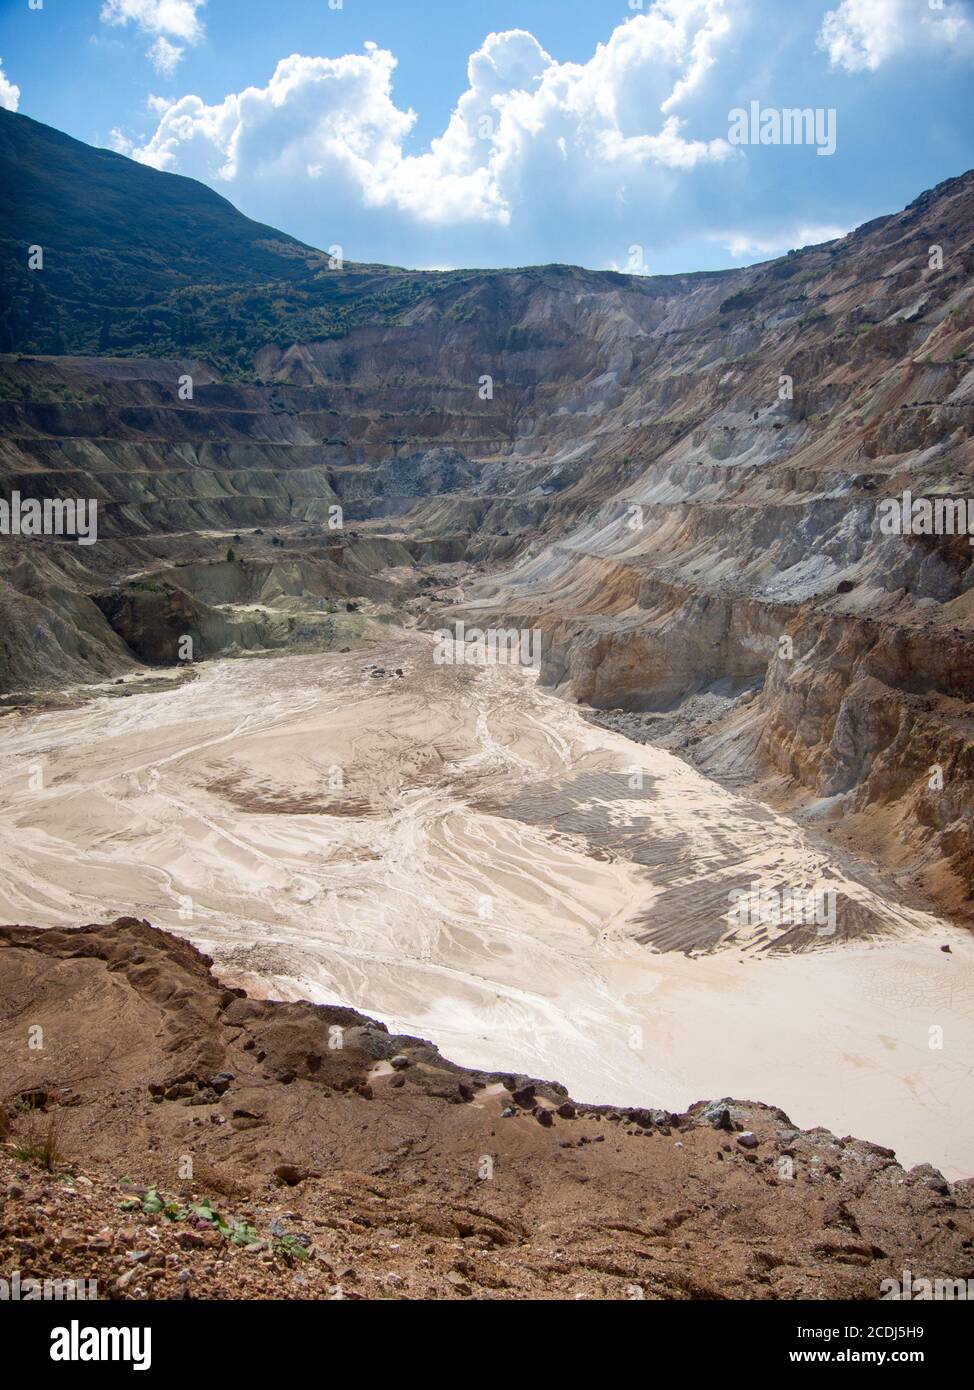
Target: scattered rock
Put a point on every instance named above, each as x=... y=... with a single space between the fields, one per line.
x=925 y=1175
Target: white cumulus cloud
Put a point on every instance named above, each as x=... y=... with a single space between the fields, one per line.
x=175 y=23
x=861 y=35
x=164 y=56
x=599 y=130
x=9 y=91
x=746 y=244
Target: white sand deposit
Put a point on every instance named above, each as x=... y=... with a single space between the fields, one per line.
x=465 y=857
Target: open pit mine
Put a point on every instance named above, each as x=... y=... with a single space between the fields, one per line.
x=568 y=674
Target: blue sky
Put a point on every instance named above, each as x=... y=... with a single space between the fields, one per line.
x=439 y=133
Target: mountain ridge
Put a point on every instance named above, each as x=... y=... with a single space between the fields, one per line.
x=190 y=272
x=182 y=239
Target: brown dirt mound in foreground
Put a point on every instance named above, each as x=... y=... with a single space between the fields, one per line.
x=326 y=1158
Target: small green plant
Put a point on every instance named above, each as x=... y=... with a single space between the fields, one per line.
x=242 y=1233
x=41 y=1144
x=203 y=1214
x=152 y=1203
x=231 y=555
x=203 y=1211
x=290 y=1248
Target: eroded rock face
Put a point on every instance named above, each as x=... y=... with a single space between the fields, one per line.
x=676 y=479
x=152 y=620
x=744 y=556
